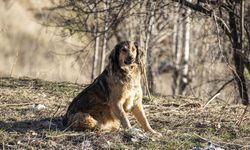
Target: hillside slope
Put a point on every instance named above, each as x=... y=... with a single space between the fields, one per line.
x=181 y=120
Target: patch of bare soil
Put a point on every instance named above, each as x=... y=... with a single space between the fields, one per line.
x=31 y=111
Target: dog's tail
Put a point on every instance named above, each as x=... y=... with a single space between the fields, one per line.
x=80 y=121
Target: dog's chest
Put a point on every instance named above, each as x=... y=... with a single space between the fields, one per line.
x=130 y=91
x=127 y=94
x=127 y=91
x=130 y=97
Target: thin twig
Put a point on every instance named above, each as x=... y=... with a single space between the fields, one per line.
x=238 y=123
x=210 y=100
x=61 y=135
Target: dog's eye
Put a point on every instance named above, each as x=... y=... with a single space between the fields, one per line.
x=124 y=50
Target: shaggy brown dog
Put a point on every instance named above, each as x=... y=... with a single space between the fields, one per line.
x=105 y=102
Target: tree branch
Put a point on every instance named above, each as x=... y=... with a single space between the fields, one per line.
x=195 y=7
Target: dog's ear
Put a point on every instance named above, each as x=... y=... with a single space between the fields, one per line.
x=113 y=58
x=140 y=53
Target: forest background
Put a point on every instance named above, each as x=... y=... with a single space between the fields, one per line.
x=196 y=48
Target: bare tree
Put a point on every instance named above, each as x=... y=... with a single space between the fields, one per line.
x=177 y=50
x=105 y=34
x=181 y=48
x=184 y=79
x=237 y=45
x=97 y=39
x=148 y=47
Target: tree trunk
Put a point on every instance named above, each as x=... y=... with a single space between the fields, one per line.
x=96 y=34
x=184 y=81
x=141 y=20
x=105 y=36
x=149 y=55
x=177 y=48
x=237 y=56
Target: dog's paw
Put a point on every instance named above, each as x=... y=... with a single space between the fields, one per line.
x=158 y=134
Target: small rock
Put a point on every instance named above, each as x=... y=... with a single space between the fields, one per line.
x=109 y=143
x=38 y=106
x=210 y=146
x=135 y=140
x=19 y=142
x=197 y=148
x=134 y=135
x=33 y=133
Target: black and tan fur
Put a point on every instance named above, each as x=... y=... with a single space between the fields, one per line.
x=104 y=104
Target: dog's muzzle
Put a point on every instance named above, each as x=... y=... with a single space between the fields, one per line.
x=129 y=60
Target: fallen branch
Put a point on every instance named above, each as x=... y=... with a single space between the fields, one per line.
x=12 y=105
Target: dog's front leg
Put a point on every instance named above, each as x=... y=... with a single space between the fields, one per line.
x=119 y=112
x=140 y=116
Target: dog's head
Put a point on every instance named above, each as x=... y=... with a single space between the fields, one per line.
x=125 y=54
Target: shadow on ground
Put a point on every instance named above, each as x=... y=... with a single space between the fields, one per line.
x=53 y=124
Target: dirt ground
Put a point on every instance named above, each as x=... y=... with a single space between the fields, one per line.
x=31 y=111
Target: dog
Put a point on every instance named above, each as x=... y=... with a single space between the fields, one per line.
x=104 y=104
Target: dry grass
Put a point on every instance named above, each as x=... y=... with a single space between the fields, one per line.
x=181 y=120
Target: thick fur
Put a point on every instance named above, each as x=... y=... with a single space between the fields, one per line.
x=104 y=104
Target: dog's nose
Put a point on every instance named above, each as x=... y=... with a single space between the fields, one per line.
x=128 y=60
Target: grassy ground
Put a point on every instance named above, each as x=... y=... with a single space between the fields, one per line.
x=182 y=121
